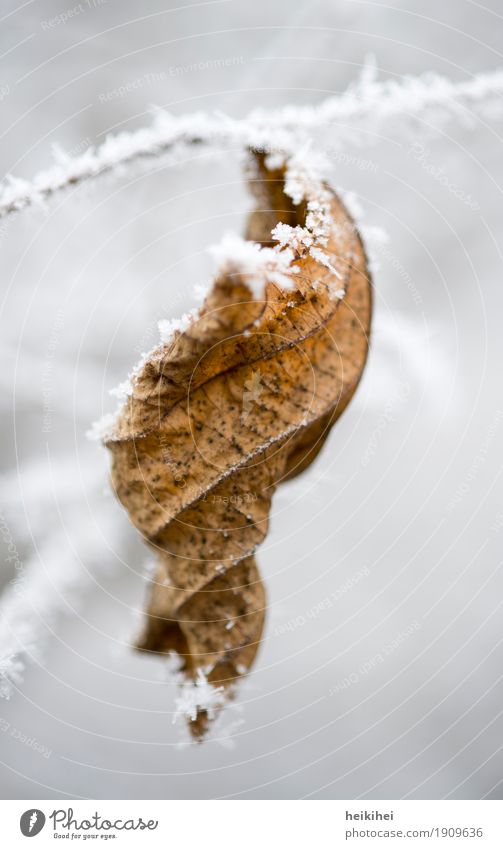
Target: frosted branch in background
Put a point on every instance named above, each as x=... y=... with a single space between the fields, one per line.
x=71 y=557
x=365 y=105
x=426 y=97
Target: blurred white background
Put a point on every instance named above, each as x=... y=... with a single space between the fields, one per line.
x=392 y=687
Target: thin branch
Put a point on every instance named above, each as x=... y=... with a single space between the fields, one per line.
x=72 y=555
x=364 y=105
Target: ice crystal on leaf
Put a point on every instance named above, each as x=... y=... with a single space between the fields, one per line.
x=198 y=696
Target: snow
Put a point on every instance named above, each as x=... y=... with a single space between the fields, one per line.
x=169 y=327
x=11 y=673
x=322 y=258
x=257 y=265
x=298 y=238
x=102 y=429
x=198 y=696
x=122 y=391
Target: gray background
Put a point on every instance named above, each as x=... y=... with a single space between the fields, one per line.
x=391 y=688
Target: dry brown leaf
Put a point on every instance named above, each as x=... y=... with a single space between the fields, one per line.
x=238 y=402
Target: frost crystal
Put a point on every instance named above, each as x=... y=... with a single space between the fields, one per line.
x=168 y=327
x=11 y=673
x=321 y=257
x=256 y=264
x=123 y=390
x=103 y=428
x=197 y=696
x=298 y=238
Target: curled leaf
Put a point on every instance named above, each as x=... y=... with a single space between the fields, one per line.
x=238 y=399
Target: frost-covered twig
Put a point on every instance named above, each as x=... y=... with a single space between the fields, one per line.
x=46 y=583
x=411 y=97
x=364 y=105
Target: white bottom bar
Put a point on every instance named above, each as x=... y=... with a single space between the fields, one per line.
x=253 y=824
